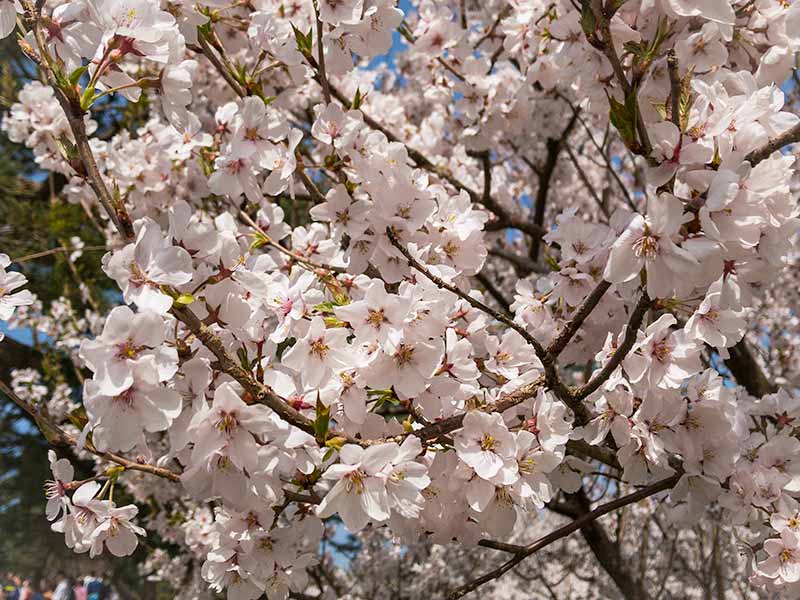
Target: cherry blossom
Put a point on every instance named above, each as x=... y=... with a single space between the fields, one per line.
x=451 y=291
x=649 y=244
x=131 y=343
x=359 y=494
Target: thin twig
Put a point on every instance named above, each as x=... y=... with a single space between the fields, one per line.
x=494 y=291
x=590 y=302
x=57 y=436
x=259 y=392
x=326 y=87
x=309 y=264
x=52 y=251
x=631 y=332
x=551 y=371
x=674 y=88
x=564 y=531
x=554 y=146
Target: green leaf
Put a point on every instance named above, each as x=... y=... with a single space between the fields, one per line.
x=357 y=100
x=322 y=422
x=205 y=29
x=551 y=262
x=244 y=360
x=115 y=472
x=66 y=148
x=332 y=322
x=78 y=417
x=588 y=19
x=304 y=41
x=240 y=73
x=623 y=117
x=87 y=99
x=61 y=80
x=637 y=49
x=183 y=300
x=284 y=346
x=661 y=34
x=76 y=75
x=325 y=307
x=259 y=241
x=336 y=442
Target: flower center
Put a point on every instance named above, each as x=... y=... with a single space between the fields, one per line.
x=489 y=442
x=226 y=423
x=502 y=496
x=376 y=318
x=84 y=514
x=53 y=489
x=138 y=277
x=355 y=481
x=128 y=351
x=450 y=249
x=646 y=247
x=343 y=217
x=661 y=351
x=404 y=354
x=527 y=465
x=319 y=347
x=125 y=397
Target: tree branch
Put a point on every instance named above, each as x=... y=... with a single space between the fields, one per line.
x=57 y=436
x=564 y=531
x=554 y=146
x=747 y=372
x=550 y=368
x=259 y=392
x=605 y=551
x=792 y=136
x=584 y=310
x=631 y=332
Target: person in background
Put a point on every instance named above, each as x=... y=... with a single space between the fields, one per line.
x=63 y=589
x=45 y=589
x=11 y=588
x=37 y=591
x=96 y=589
x=79 y=590
x=26 y=591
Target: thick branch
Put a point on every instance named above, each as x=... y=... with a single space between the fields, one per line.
x=506 y=401
x=260 y=393
x=523 y=265
x=494 y=291
x=504 y=217
x=792 y=136
x=748 y=372
x=674 y=88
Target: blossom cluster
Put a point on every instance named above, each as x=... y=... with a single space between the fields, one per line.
x=301 y=334
x=89 y=522
x=11 y=297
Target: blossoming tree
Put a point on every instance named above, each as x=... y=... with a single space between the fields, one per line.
x=551 y=248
